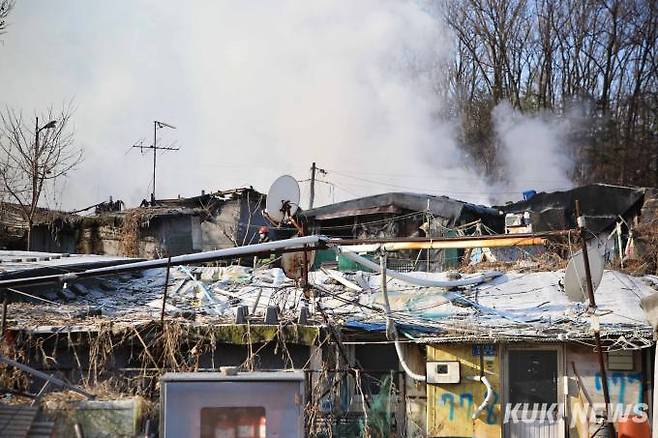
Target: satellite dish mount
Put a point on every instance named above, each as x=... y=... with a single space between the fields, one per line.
x=283 y=202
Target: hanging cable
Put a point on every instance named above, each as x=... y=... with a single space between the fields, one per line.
x=391 y=330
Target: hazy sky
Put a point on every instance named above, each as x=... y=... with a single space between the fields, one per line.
x=256 y=90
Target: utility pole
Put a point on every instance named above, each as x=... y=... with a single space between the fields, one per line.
x=156 y=125
x=595 y=325
x=314 y=169
x=35 y=177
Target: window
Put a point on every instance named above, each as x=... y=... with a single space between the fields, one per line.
x=378 y=361
x=248 y=422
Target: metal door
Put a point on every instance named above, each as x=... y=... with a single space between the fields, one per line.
x=534 y=393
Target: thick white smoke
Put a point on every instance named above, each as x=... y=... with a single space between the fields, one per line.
x=533 y=150
x=350 y=87
x=256 y=89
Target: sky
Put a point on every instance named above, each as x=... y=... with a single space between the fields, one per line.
x=255 y=90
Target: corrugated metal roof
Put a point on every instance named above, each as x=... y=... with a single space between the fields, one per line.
x=21 y=263
x=22 y=421
x=529 y=305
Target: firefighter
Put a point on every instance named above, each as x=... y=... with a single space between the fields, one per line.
x=263 y=234
x=263 y=237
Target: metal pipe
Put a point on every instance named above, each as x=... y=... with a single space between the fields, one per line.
x=499 y=242
x=391 y=332
x=391 y=329
x=78 y=431
x=164 y=295
x=405 y=366
x=543 y=234
x=487 y=399
x=289 y=245
x=420 y=281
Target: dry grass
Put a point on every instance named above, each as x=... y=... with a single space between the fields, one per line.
x=646 y=250
x=130 y=233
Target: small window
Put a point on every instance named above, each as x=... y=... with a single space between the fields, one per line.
x=621 y=360
x=233 y=422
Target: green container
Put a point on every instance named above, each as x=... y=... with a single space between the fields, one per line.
x=347 y=265
x=323 y=256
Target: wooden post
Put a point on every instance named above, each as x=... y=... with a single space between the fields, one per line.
x=597 y=334
x=3 y=327
x=164 y=296
x=312 y=190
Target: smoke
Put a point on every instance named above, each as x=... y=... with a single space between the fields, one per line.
x=351 y=88
x=256 y=90
x=533 y=150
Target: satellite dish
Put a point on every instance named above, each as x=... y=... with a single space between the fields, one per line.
x=575 y=281
x=282 y=198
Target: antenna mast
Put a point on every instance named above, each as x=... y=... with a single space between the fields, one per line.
x=156 y=125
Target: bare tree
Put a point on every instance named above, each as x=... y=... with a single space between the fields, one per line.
x=594 y=57
x=33 y=157
x=5 y=8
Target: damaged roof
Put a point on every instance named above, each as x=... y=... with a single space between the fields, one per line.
x=202 y=204
x=602 y=205
x=397 y=202
x=20 y=264
x=508 y=306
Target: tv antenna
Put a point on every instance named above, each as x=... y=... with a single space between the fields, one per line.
x=156 y=125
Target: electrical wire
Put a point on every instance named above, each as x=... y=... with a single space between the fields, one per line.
x=462 y=178
x=424 y=189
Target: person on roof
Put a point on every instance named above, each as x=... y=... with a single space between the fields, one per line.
x=263 y=234
x=263 y=237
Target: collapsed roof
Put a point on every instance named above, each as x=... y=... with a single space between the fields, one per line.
x=512 y=306
x=601 y=204
x=398 y=202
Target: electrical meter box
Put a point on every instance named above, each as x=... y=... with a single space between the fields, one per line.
x=443 y=372
x=249 y=405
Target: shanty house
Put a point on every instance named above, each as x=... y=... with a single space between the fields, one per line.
x=515 y=326
x=167 y=227
x=603 y=206
x=397 y=215
x=405 y=215
x=14 y=227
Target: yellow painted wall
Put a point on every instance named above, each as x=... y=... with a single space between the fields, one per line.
x=450 y=406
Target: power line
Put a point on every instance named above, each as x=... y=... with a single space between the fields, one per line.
x=417 y=176
x=432 y=190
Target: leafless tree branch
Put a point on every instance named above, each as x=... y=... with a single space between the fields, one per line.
x=32 y=156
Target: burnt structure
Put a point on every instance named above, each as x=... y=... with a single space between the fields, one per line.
x=167 y=227
x=398 y=214
x=602 y=204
